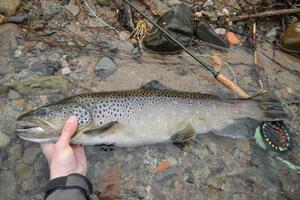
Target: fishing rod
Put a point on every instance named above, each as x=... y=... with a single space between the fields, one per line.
x=220 y=78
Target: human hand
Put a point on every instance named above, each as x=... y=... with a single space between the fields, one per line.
x=65 y=158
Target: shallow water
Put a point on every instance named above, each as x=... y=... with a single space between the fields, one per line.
x=211 y=167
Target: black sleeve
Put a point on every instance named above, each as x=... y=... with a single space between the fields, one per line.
x=71 y=187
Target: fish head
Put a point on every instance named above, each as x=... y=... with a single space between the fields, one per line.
x=45 y=123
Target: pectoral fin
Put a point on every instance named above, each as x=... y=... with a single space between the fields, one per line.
x=103 y=128
x=183 y=135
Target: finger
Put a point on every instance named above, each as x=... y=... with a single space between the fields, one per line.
x=67 y=132
x=81 y=159
x=79 y=153
x=48 y=150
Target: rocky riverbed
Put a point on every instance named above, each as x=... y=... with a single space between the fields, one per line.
x=64 y=50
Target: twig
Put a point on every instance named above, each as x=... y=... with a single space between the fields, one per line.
x=254 y=45
x=266 y=14
x=219 y=77
x=297 y=73
x=232 y=72
x=106 y=24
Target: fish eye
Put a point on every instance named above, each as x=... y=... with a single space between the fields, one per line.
x=42 y=111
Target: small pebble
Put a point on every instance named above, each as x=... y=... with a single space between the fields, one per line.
x=164 y=175
x=172 y=161
x=198 y=15
x=232 y=38
x=4 y=140
x=225 y=12
x=30 y=155
x=181 y=71
x=65 y=71
x=16 y=151
x=289 y=90
x=13 y=95
x=208 y=3
x=220 y=31
x=18 y=53
x=8 y=184
x=105 y=67
x=73 y=9
x=90 y=47
x=23 y=171
x=271 y=35
x=243 y=144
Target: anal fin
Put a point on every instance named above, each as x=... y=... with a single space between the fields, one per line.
x=183 y=135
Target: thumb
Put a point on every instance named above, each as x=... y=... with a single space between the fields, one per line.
x=68 y=131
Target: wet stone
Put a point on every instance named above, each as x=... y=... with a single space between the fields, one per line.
x=208 y=3
x=8 y=184
x=189 y=176
x=173 y=2
x=243 y=144
x=180 y=71
x=4 y=140
x=204 y=172
x=23 y=171
x=19 y=64
x=55 y=97
x=30 y=155
x=18 y=104
x=45 y=67
x=13 y=44
x=50 y=9
x=290 y=39
x=4 y=69
x=212 y=147
x=271 y=35
x=73 y=9
x=90 y=47
x=13 y=95
x=105 y=67
x=165 y=175
x=220 y=31
x=18 y=53
x=9 y=7
x=136 y=52
x=24 y=197
x=172 y=161
x=8 y=34
x=178 y=22
x=65 y=71
x=16 y=151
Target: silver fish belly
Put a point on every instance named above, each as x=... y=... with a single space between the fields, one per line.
x=148 y=117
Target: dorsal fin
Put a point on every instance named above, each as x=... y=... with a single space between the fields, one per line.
x=155 y=85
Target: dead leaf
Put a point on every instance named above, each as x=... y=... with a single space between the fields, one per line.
x=164 y=165
x=109 y=183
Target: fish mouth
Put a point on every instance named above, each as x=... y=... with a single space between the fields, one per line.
x=36 y=130
x=24 y=125
x=38 y=139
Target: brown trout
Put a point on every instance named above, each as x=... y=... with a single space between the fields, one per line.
x=145 y=116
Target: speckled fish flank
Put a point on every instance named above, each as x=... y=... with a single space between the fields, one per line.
x=138 y=117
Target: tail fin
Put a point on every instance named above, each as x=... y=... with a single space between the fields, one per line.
x=271 y=107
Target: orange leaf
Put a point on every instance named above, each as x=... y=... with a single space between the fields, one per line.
x=232 y=38
x=164 y=165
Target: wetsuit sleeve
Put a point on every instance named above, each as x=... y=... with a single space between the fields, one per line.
x=71 y=187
